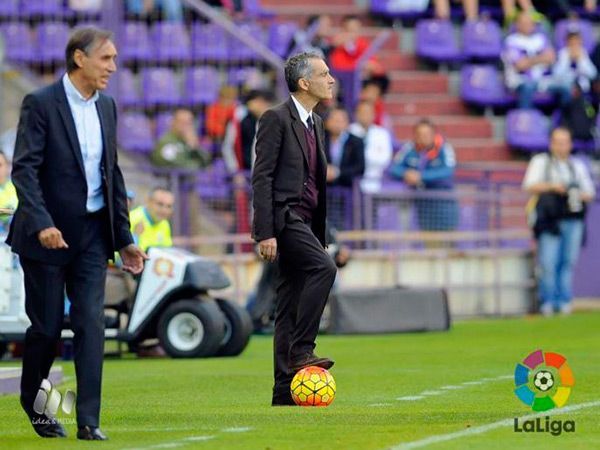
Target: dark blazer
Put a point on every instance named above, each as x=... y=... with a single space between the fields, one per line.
x=281 y=171
x=352 y=164
x=49 y=176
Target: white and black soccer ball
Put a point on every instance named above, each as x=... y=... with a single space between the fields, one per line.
x=543 y=380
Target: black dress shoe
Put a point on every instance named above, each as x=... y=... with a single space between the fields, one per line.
x=43 y=425
x=90 y=434
x=310 y=359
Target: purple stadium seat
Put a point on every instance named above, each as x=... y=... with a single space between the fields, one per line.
x=585 y=28
x=482 y=40
x=9 y=8
x=280 y=36
x=238 y=50
x=213 y=183
x=202 y=85
x=397 y=10
x=52 y=38
x=135 y=133
x=483 y=85
x=435 y=40
x=253 y=9
x=53 y=8
x=18 y=42
x=527 y=129
x=209 y=42
x=163 y=123
x=246 y=75
x=135 y=42
x=128 y=91
x=160 y=87
x=171 y=41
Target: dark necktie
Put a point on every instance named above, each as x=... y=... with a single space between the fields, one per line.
x=310 y=126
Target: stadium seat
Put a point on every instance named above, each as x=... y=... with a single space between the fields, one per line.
x=238 y=76
x=18 y=42
x=528 y=130
x=280 y=37
x=201 y=85
x=52 y=38
x=48 y=8
x=253 y=9
x=171 y=41
x=396 y=10
x=128 y=92
x=160 y=87
x=585 y=28
x=482 y=40
x=9 y=9
x=435 y=41
x=162 y=123
x=135 y=42
x=135 y=133
x=209 y=43
x=483 y=85
x=238 y=51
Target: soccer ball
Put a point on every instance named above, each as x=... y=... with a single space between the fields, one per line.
x=543 y=380
x=313 y=386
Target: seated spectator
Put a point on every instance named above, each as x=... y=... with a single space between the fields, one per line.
x=220 y=113
x=442 y=8
x=85 y=5
x=562 y=187
x=574 y=68
x=172 y=10
x=378 y=145
x=373 y=91
x=528 y=57
x=8 y=193
x=345 y=152
x=350 y=46
x=150 y=223
x=180 y=146
x=320 y=42
x=428 y=163
x=238 y=144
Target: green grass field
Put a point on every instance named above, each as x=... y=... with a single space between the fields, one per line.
x=224 y=403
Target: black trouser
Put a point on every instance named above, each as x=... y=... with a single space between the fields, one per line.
x=306 y=276
x=84 y=279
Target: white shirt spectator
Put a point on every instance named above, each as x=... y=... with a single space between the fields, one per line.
x=85 y=5
x=566 y=71
x=378 y=154
x=562 y=172
x=517 y=46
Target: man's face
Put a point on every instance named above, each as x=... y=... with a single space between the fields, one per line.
x=525 y=24
x=337 y=122
x=160 y=205
x=574 y=43
x=424 y=136
x=365 y=114
x=320 y=83
x=561 y=144
x=183 y=121
x=98 y=66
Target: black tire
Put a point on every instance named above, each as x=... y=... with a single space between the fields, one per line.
x=182 y=321
x=238 y=328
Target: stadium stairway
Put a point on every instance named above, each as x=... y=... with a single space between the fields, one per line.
x=415 y=91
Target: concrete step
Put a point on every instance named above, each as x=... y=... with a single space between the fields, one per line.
x=418 y=82
x=394 y=60
x=424 y=105
x=481 y=150
x=450 y=126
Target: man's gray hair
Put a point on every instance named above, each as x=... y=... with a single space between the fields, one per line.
x=84 y=39
x=298 y=66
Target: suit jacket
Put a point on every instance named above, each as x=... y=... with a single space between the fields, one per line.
x=352 y=164
x=281 y=171
x=49 y=175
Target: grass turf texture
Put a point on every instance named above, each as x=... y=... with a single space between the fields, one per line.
x=181 y=403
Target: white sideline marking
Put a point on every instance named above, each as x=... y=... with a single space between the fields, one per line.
x=236 y=429
x=374 y=405
x=488 y=427
x=174 y=444
x=430 y=393
x=473 y=383
x=198 y=438
x=410 y=398
x=451 y=388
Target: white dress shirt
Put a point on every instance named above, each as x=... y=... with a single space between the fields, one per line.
x=304 y=114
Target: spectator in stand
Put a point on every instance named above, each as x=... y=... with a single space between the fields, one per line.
x=528 y=57
x=85 y=5
x=428 y=163
x=562 y=186
x=180 y=146
x=320 y=42
x=172 y=10
x=373 y=91
x=238 y=144
x=350 y=46
x=565 y=7
x=8 y=193
x=345 y=152
x=150 y=225
x=220 y=113
x=378 y=145
x=442 y=8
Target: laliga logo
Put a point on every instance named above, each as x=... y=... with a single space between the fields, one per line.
x=543 y=381
x=49 y=399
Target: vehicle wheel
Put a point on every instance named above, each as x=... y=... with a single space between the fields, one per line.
x=238 y=328
x=191 y=328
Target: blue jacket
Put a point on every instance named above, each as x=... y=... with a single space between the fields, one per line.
x=436 y=165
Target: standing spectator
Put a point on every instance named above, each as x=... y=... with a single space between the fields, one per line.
x=528 y=57
x=320 y=42
x=345 y=152
x=378 y=145
x=180 y=146
x=220 y=113
x=428 y=163
x=8 y=193
x=563 y=187
x=373 y=91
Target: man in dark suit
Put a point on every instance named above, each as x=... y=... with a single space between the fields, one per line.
x=72 y=216
x=345 y=152
x=289 y=182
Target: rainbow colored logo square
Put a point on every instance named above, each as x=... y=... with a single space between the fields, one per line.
x=543 y=380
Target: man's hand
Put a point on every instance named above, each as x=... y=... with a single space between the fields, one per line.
x=412 y=177
x=267 y=249
x=51 y=238
x=332 y=173
x=133 y=259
